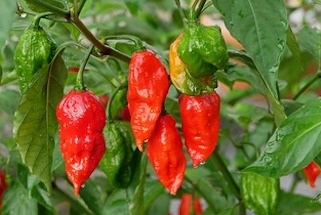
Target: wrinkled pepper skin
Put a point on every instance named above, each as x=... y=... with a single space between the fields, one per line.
x=181 y=77
x=164 y=151
x=203 y=49
x=117 y=161
x=3 y=186
x=200 y=124
x=186 y=205
x=81 y=118
x=34 y=51
x=259 y=193
x=312 y=171
x=148 y=85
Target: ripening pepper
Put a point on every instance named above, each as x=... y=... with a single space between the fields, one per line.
x=164 y=151
x=148 y=85
x=3 y=186
x=186 y=205
x=259 y=193
x=117 y=161
x=35 y=50
x=312 y=171
x=200 y=124
x=203 y=49
x=82 y=118
x=181 y=76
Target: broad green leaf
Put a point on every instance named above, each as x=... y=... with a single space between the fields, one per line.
x=161 y=205
x=310 y=39
x=295 y=204
x=9 y=100
x=134 y=5
x=42 y=198
x=293 y=45
x=41 y=8
x=35 y=120
x=92 y=196
x=7 y=10
x=153 y=189
x=261 y=32
x=293 y=145
x=214 y=198
x=17 y=201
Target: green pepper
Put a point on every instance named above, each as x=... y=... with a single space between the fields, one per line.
x=34 y=51
x=259 y=193
x=117 y=161
x=183 y=79
x=203 y=49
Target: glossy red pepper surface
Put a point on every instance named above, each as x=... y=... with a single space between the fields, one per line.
x=3 y=186
x=148 y=85
x=312 y=171
x=200 y=124
x=186 y=203
x=164 y=151
x=81 y=117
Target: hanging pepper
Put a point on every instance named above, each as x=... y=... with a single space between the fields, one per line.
x=186 y=204
x=203 y=49
x=259 y=193
x=312 y=171
x=182 y=78
x=164 y=151
x=3 y=186
x=82 y=118
x=200 y=124
x=34 y=51
x=117 y=161
x=148 y=85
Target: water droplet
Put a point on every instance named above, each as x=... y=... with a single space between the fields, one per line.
x=83 y=185
x=202 y=163
x=23 y=15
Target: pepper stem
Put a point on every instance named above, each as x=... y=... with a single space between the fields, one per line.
x=138 y=43
x=38 y=17
x=80 y=76
x=110 y=102
x=181 y=12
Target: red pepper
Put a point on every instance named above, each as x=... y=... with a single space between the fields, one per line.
x=148 y=85
x=200 y=124
x=3 y=186
x=312 y=171
x=186 y=202
x=164 y=151
x=82 y=118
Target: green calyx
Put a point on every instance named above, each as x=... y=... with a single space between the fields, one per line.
x=34 y=51
x=203 y=49
x=117 y=162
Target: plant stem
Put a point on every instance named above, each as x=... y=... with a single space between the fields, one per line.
x=181 y=12
x=106 y=50
x=200 y=8
x=307 y=85
x=110 y=102
x=51 y=8
x=229 y=178
x=81 y=5
x=80 y=76
x=38 y=17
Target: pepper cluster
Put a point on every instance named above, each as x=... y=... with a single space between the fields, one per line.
x=194 y=58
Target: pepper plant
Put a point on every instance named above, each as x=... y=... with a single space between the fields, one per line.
x=135 y=107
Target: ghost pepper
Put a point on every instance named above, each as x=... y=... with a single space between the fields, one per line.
x=164 y=151
x=3 y=186
x=148 y=85
x=312 y=171
x=200 y=124
x=186 y=205
x=81 y=117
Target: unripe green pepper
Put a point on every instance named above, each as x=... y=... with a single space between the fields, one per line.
x=34 y=51
x=259 y=193
x=203 y=49
x=182 y=78
x=117 y=161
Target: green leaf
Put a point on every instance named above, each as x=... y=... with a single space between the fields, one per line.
x=9 y=100
x=317 y=1
x=293 y=145
x=261 y=32
x=35 y=120
x=7 y=10
x=153 y=189
x=293 y=45
x=17 y=201
x=161 y=205
x=295 y=204
x=116 y=203
x=42 y=198
x=134 y=5
x=310 y=39
x=92 y=196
